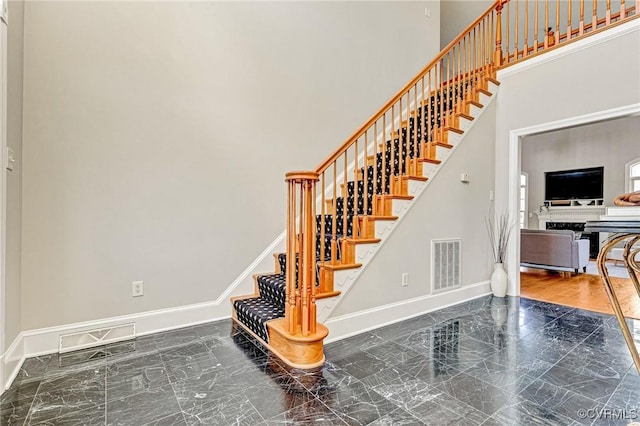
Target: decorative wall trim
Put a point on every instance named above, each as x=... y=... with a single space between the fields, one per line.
x=351 y=324
x=250 y=270
x=569 y=48
x=515 y=137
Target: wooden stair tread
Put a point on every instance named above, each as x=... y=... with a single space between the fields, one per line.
x=430 y=160
x=327 y=294
x=362 y=240
x=444 y=145
x=340 y=266
x=467 y=116
x=382 y=217
x=414 y=177
x=397 y=197
x=485 y=91
x=493 y=80
x=475 y=103
x=453 y=129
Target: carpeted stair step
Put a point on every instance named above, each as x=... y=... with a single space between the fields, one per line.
x=280 y=279
x=273 y=288
x=328 y=225
x=255 y=312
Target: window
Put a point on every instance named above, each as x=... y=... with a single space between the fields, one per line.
x=522 y=207
x=633 y=175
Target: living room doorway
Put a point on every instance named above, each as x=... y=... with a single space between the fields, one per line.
x=607 y=140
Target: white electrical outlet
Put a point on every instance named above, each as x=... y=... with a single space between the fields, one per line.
x=405 y=279
x=137 y=288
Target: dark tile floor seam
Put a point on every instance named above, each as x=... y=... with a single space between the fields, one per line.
x=173 y=389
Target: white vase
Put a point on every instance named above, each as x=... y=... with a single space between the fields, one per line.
x=499 y=281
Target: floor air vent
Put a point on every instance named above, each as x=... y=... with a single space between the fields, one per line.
x=445 y=264
x=99 y=337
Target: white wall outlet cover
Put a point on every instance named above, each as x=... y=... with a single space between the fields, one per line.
x=405 y=279
x=11 y=161
x=137 y=288
x=464 y=177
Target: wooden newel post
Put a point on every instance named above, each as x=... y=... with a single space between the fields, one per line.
x=300 y=309
x=497 y=58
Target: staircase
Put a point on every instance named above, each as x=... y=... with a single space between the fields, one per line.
x=340 y=214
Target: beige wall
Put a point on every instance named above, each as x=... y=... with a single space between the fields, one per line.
x=464 y=205
x=12 y=302
x=157 y=136
x=611 y=144
x=456 y=15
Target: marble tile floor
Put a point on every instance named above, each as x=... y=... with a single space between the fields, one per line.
x=488 y=361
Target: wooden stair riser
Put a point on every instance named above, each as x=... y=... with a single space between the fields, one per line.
x=366 y=227
x=329 y=207
x=407 y=185
x=256 y=289
x=326 y=280
x=303 y=352
x=484 y=96
x=348 y=252
x=482 y=83
x=277 y=268
x=385 y=204
x=350 y=248
x=382 y=206
x=428 y=169
x=446 y=135
x=369 y=226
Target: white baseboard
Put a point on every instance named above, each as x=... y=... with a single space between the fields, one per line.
x=11 y=361
x=358 y=322
x=45 y=340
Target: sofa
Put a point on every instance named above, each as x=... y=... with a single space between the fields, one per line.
x=553 y=249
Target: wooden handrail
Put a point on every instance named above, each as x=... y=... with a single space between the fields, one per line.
x=375 y=117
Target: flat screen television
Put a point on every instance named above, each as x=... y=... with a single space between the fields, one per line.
x=578 y=184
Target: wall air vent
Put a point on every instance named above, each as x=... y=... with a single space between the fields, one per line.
x=445 y=264
x=99 y=337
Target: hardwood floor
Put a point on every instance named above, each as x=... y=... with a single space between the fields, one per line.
x=579 y=291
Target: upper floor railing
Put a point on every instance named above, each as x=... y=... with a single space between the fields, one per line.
x=533 y=26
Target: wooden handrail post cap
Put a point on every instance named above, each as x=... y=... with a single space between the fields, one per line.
x=302 y=175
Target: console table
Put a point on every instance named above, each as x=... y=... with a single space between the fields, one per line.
x=624 y=231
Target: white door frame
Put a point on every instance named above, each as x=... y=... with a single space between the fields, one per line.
x=515 y=149
x=3 y=182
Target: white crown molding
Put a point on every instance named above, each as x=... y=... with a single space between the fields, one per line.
x=572 y=47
